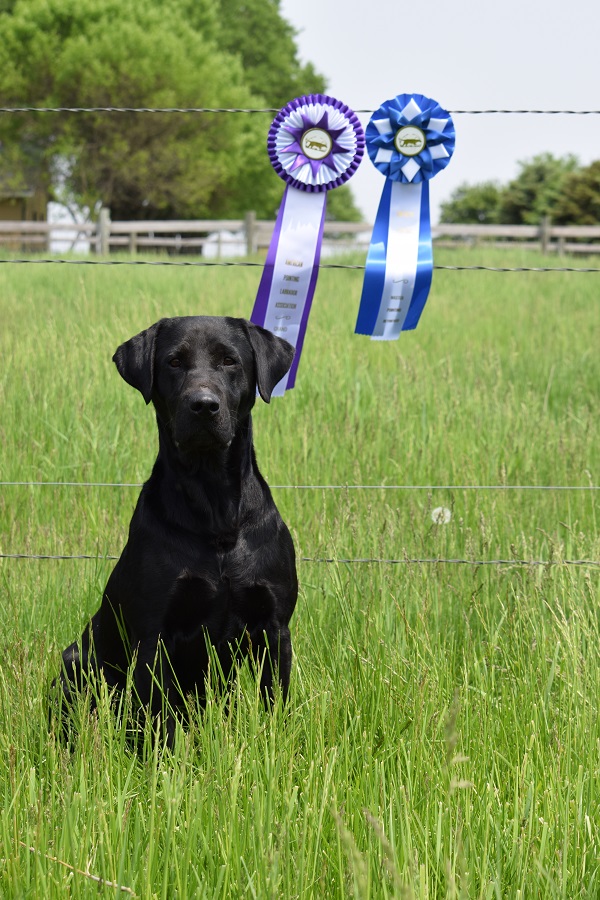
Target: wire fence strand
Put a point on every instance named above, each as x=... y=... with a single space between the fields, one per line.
x=201 y=264
x=425 y=561
x=332 y=487
x=264 y=110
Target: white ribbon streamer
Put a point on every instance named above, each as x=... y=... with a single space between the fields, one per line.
x=401 y=260
x=293 y=267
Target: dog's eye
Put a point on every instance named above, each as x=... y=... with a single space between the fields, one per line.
x=229 y=361
x=175 y=362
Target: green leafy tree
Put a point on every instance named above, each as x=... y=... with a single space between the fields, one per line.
x=535 y=191
x=104 y=53
x=475 y=204
x=263 y=42
x=545 y=186
x=255 y=32
x=579 y=200
x=151 y=53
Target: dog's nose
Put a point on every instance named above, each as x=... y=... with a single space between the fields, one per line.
x=205 y=403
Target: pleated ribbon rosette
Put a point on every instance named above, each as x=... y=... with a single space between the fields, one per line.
x=315 y=144
x=409 y=140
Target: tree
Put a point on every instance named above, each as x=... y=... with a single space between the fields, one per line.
x=255 y=32
x=534 y=192
x=579 y=200
x=151 y=53
x=475 y=204
x=545 y=186
x=104 y=53
x=273 y=73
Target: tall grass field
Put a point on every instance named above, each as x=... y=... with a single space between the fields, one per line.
x=442 y=735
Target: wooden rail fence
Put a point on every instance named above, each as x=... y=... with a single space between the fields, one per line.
x=247 y=236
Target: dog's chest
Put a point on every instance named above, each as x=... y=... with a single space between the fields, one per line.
x=224 y=601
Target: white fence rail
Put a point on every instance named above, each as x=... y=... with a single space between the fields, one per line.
x=247 y=236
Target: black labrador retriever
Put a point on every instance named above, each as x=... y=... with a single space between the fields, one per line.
x=209 y=560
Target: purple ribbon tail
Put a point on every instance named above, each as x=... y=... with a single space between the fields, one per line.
x=309 y=298
x=259 y=311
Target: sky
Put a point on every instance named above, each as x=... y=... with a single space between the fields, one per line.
x=465 y=55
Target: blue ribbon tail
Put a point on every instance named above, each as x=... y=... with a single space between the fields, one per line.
x=424 y=264
x=374 y=279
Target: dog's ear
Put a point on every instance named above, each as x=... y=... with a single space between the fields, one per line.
x=135 y=360
x=272 y=355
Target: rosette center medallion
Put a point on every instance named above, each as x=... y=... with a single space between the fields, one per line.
x=410 y=140
x=316 y=143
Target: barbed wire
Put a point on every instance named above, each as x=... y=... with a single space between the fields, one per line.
x=464 y=562
x=220 y=109
x=515 y=268
x=425 y=561
x=332 y=487
x=195 y=263
x=525 y=112
x=141 y=262
x=133 y=109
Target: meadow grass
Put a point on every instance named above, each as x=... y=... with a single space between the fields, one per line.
x=442 y=736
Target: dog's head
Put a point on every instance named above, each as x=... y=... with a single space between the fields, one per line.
x=202 y=374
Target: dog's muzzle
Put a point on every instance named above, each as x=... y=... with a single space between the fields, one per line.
x=202 y=422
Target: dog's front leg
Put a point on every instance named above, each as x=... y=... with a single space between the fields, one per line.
x=80 y=663
x=80 y=668
x=271 y=648
x=152 y=679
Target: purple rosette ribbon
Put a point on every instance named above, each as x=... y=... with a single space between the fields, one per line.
x=409 y=140
x=315 y=144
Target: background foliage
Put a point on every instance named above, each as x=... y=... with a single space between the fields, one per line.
x=557 y=187
x=151 y=53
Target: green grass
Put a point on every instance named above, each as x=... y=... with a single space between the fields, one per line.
x=442 y=738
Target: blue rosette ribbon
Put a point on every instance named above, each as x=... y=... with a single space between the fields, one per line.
x=315 y=144
x=409 y=140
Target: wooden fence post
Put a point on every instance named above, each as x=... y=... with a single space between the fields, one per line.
x=545 y=234
x=103 y=243
x=250 y=229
